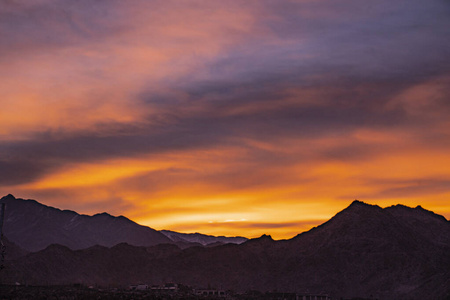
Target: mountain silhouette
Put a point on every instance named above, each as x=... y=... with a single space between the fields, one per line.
x=34 y=226
x=363 y=251
x=202 y=239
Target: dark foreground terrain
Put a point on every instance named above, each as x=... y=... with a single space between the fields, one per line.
x=78 y=292
x=61 y=293
x=364 y=251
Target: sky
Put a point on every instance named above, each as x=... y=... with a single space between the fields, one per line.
x=237 y=117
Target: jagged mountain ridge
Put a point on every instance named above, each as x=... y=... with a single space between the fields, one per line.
x=363 y=251
x=34 y=226
x=394 y=242
x=202 y=239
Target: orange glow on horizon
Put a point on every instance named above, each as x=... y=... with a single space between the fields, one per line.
x=180 y=191
x=224 y=118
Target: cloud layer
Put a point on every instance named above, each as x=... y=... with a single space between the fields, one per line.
x=183 y=115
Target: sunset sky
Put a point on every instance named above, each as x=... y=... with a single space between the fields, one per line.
x=225 y=117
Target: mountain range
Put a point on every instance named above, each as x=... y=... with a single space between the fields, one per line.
x=34 y=226
x=364 y=251
x=202 y=239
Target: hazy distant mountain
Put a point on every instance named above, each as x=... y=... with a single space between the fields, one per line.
x=34 y=226
x=202 y=239
x=363 y=251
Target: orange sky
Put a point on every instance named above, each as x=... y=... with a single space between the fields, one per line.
x=236 y=118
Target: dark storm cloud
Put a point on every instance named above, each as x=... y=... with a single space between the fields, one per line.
x=265 y=110
x=89 y=146
x=345 y=110
x=16 y=171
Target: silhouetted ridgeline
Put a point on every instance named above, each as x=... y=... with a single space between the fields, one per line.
x=364 y=251
x=34 y=226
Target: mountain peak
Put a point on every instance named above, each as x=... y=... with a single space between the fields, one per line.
x=355 y=214
x=8 y=197
x=266 y=237
x=262 y=239
x=416 y=212
x=357 y=202
x=103 y=214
